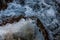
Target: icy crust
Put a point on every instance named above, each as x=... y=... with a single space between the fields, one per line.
x=12 y=11
x=46 y=12
x=28 y=28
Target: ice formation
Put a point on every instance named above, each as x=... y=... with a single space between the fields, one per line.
x=44 y=10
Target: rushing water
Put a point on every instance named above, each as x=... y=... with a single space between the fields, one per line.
x=45 y=10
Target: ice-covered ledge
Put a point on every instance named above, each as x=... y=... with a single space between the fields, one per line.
x=22 y=28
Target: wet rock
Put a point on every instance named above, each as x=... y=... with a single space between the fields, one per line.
x=22 y=2
x=36 y=7
x=48 y=2
x=8 y=1
x=58 y=1
x=3 y=4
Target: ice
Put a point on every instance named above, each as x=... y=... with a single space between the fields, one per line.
x=51 y=12
x=29 y=11
x=46 y=13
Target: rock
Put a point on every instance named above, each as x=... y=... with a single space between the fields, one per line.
x=22 y=2
x=3 y=3
x=58 y=1
x=8 y=1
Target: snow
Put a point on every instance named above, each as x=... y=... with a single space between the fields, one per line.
x=18 y=27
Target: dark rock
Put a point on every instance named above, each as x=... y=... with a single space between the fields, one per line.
x=49 y=2
x=3 y=4
x=58 y=1
x=36 y=7
x=8 y=1
x=22 y=2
